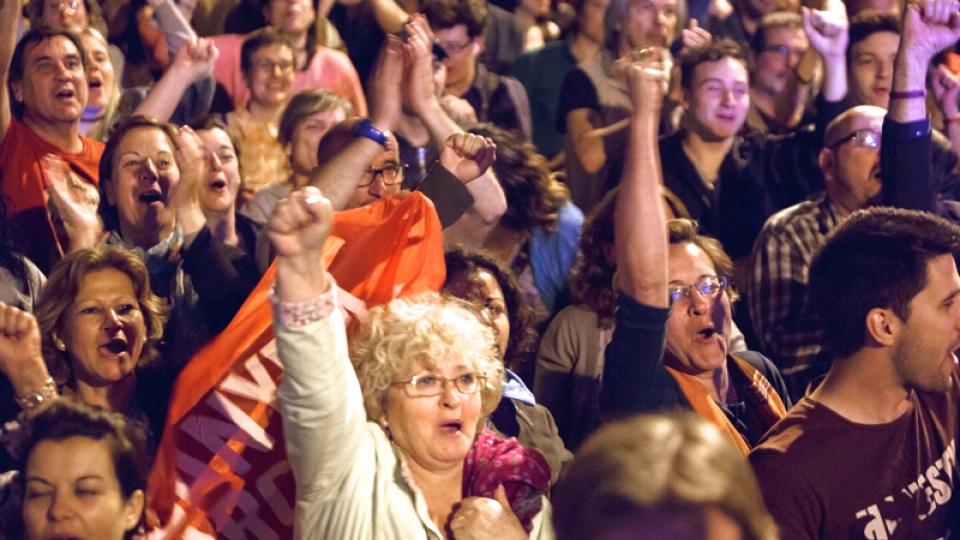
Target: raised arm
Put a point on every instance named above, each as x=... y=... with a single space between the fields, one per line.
x=634 y=379
x=828 y=33
x=489 y=201
x=338 y=177
x=322 y=407
x=193 y=62
x=9 y=16
x=928 y=27
x=20 y=357
x=639 y=218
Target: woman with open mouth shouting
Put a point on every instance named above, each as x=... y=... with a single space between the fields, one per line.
x=181 y=96
x=151 y=179
x=392 y=446
x=95 y=335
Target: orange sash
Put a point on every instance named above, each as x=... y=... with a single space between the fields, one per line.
x=762 y=395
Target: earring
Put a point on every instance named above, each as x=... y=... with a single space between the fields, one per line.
x=59 y=344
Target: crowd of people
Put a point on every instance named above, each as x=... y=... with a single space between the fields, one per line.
x=574 y=269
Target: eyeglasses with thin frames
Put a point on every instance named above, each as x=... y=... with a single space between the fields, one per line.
x=431 y=384
x=66 y=5
x=707 y=286
x=268 y=66
x=864 y=138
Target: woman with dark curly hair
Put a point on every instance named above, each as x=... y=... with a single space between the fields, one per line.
x=481 y=280
x=539 y=234
x=83 y=474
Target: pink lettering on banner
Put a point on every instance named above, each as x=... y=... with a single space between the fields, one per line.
x=231 y=459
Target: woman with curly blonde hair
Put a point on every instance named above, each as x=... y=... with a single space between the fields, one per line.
x=394 y=445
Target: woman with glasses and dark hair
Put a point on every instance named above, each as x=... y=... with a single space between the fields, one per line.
x=671 y=345
x=394 y=445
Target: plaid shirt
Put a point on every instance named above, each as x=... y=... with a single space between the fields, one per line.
x=777 y=286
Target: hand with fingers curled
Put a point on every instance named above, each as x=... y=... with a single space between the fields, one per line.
x=467 y=156
x=695 y=36
x=827 y=31
x=20 y=353
x=645 y=86
x=929 y=26
x=946 y=89
x=482 y=518
x=300 y=224
x=196 y=60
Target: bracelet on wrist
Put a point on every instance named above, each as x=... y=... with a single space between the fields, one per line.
x=908 y=94
x=45 y=394
x=366 y=129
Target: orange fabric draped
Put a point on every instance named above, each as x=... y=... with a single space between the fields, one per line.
x=221 y=468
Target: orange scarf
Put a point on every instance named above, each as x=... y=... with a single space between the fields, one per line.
x=760 y=394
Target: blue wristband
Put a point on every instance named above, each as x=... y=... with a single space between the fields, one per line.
x=365 y=129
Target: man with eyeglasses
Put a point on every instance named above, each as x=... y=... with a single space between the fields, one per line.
x=498 y=99
x=671 y=343
x=778 y=46
x=859 y=172
x=870 y=450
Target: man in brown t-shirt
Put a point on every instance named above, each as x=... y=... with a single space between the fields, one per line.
x=871 y=452
x=43 y=80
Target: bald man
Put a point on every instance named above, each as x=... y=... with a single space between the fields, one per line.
x=858 y=172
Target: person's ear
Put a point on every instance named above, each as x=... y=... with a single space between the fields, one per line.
x=827 y=159
x=883 y=326
x=58 y=342
x=133 y=510
x=16 y=87
x=108 y=191
x=479 y=44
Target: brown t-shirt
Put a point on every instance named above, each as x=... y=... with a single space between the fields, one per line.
x=24 y=182
x=823 y=476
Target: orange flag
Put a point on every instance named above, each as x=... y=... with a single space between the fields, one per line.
x=221 y=469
